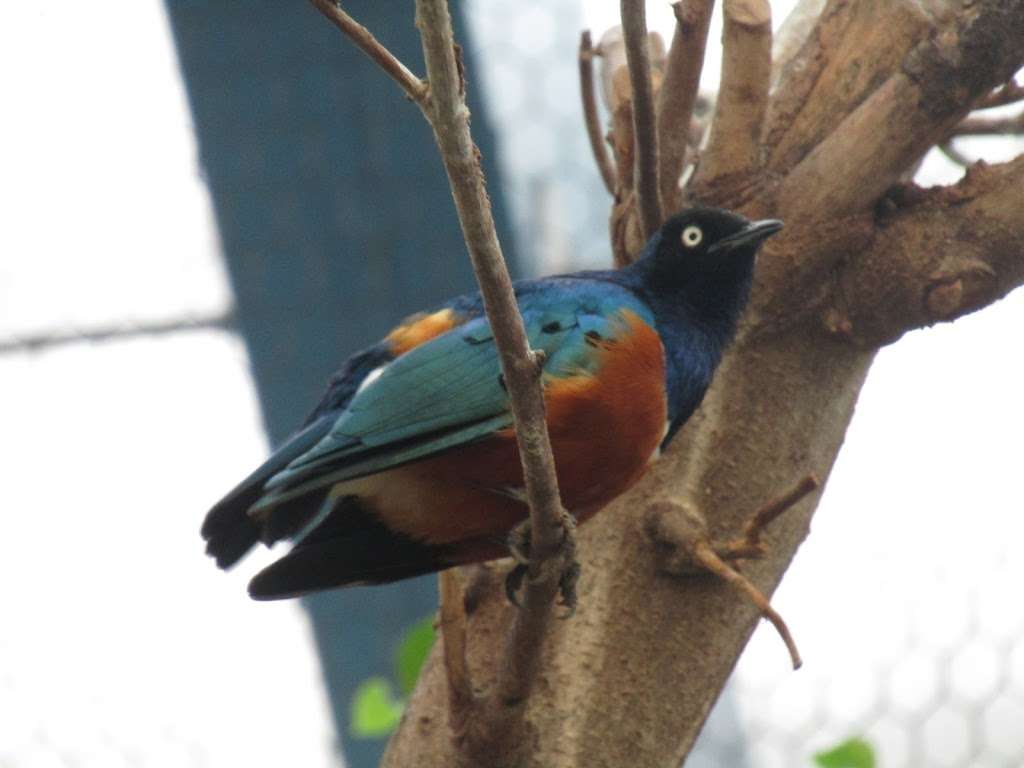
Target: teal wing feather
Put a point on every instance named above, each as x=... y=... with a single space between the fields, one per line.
x=441 y=394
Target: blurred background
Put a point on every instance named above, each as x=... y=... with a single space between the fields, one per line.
x=206 y=207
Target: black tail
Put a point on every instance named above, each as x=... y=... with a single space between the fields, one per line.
x=349 y=547
x=229 y=530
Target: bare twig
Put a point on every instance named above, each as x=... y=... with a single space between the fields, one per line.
x=678 y=94
x=734 y=147
x=443 y=103
x=1009 y=92
x=43 y=340
x=501 y=722
x=634 y=28
x=765 y=515
x=589 y=97
x=709 y=559
x=955 y=155
x=414 y=88
x=990 y=126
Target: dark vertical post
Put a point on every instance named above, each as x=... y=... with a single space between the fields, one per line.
x=336 y=220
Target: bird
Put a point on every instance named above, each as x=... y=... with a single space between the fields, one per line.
x=408 y=465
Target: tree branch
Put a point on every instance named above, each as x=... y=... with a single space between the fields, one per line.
x=853 y=46
x=990 y=126
x=940 y=253
x=634 y=29
x=414 y=88
x=1009 y=92
x=912 y=111
x=734 y=147
x=501 y=722
x=792 y=34
x=443 y=103
x=590 y=117
x=678 y=95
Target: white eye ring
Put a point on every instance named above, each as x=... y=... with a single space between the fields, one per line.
x=692 y=236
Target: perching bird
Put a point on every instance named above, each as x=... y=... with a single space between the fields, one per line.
x=409 y=463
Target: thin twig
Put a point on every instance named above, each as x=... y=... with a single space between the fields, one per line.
x=44 y=340
x=634 y=29
x=954 y=155
x=766 y=514
x=678 y=94
x=990 y=126
x=734 y=147
x=590 y=118
x=414 y=88
x=521 y=368
x=709 y=559
x=1009 y=92
x=443 y=104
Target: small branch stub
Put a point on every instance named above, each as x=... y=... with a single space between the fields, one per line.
x=681 y=535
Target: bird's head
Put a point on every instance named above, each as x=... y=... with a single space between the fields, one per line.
x=705 y=256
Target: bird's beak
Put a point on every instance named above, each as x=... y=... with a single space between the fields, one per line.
x=752 y=234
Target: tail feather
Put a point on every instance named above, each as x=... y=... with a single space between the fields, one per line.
x=348 y=547
x=230 y=532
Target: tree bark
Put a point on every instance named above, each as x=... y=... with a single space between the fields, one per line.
x=630 y=679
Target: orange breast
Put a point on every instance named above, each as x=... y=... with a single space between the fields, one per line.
x=605 y=429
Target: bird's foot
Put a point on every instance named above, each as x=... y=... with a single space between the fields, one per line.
x=518 y=543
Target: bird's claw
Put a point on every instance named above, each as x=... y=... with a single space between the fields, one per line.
x=518 y=543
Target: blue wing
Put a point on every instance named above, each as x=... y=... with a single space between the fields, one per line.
x=448 y=391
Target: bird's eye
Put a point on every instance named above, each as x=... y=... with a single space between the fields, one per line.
x=692 y=236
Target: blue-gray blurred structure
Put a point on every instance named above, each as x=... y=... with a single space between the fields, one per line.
x=336 y=220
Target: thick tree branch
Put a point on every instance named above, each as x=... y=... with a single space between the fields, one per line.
x=734 y=148
x=634 y=30
x=678 y=95
x=853 y=47
x=939 y=254
x=588 y=95
x=792 y=34
x=414 y=88
x=913 y=110
x=452 y=621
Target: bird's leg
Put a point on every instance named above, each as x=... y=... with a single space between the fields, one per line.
x=518 y=543
x=685 y=546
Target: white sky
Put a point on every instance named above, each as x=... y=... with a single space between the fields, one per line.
x=122 y=645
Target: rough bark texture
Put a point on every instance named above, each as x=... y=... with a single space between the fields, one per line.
x=630 y=679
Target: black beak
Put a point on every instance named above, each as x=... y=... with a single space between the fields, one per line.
x=754 y=233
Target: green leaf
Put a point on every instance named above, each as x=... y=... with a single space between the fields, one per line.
x=413 y=652
x=852 y=753
x=375 y=710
